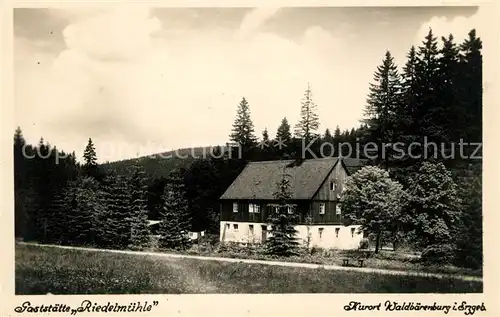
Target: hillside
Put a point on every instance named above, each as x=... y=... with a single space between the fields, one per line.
x=160 y=164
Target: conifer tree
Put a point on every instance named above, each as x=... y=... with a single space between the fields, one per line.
x=327 y=137
x=21 y=183
x=406 y=124
x=283 y=132
x=471 y=84
x=83 y=224
x=452 y=115
x=116 y=218
x=337 y=137
x=42 y=185
x=383 y=101
x=90 y=160
x=57 y=214
x=175 y=220
x=426 y=91
x=283 y=235
x=139 y=218
x=308 y=124
x=243 y=129
x=265 y=135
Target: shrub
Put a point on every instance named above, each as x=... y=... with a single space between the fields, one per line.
x=438 y=254
x=364 y=244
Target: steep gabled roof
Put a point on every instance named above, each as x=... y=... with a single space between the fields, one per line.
x=258 y=179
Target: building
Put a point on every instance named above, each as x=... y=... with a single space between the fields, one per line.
x=316 y=185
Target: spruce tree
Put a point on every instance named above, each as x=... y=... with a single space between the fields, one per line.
x=140 y=233
x=308 y=124
x=470 y=86
x=243 y=129
x=283 y=132
x=42 y=184
x=83 y=225
x=407 y=124
x=58 y=213
x=21 y=183
x=175 y=220
x=265 y=135
x=327 y=137
x=116 y=219
x=428 y=109
x=90 y=160
x=283 y=235
x=452 y=118
x=383 y=101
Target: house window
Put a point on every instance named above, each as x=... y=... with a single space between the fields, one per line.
x=352 y=232
x=337 y=209
x=250 y=229
x=235 y=227
x=321 y=208
x=337 y=232
x=254 y=208
x=332 y=186
x=320 y=232
x=227 y=226
x=235 y=207
x=289 y=209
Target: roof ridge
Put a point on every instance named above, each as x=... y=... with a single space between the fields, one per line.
x=267 y=162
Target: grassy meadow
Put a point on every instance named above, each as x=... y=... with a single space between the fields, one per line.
x=60 y=271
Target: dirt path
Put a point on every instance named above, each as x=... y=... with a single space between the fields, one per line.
x=278 y=263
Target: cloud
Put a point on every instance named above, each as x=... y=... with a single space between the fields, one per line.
x=256 y=18
x=442 y=26
x=134 y=87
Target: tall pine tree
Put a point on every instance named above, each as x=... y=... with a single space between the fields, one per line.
x=383 y=101
x=428 y=108
x=140 y=234
x=471 y=85
x=243 y=129
x=283 y=132
x=175 y=220
x=90 y=167
x=21 y=183
x=308 y=124
x=452 y=118
x=83 y=224
x=115 y=222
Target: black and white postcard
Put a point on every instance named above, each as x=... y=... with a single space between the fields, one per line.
x=235 y=159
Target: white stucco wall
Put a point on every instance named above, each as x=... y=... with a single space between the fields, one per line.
x=328 y=239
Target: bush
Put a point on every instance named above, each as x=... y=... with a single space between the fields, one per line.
x=438 y=254
x=364 y=244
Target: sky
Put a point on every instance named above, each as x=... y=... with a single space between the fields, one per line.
x=141 y=80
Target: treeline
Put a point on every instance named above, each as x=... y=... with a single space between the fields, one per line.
x=61 y=201
x=435 y=97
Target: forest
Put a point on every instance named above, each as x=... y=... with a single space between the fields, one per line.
x=435 y=96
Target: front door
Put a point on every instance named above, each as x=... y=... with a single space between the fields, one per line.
x=264 y=233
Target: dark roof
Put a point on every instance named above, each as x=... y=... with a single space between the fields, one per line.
x=258 y=179
x=352 y=165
